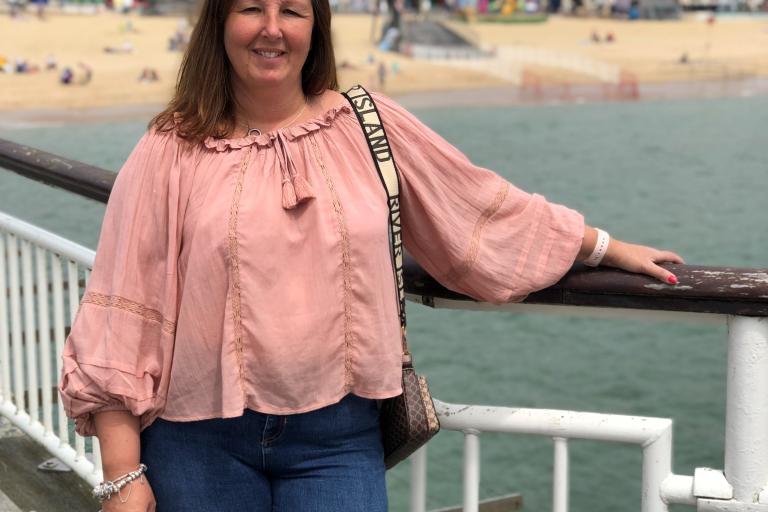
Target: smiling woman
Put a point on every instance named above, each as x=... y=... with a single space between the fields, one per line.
x=269 y=57
x=267 y=42
x=241 y=319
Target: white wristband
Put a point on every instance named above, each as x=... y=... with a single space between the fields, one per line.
x=601 y=247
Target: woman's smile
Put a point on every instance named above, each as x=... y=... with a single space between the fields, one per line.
x=269 y=54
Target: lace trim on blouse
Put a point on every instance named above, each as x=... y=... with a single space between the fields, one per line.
x=345 y=265
x=470 y=257
x=117 y=302
x=234 y=259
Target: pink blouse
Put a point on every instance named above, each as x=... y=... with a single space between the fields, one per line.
x=255 y=272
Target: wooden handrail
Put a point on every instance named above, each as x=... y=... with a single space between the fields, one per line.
x=76 y=177
x=720 y=290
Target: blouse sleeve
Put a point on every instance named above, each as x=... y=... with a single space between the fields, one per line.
x=118 y=353
x=473 y=231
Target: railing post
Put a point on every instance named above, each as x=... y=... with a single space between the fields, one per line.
x=471 y=470
x=746 y=410
x=41 y=258
x=419 y=480
x=560 y=480
x=15 y=314
x=30 y=331
x=57 y=283
x=73 y=282
x=5 y=348
x=96 y=450
x=657 y=467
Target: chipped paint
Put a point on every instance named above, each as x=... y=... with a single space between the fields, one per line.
x=760 y=277
x=711 y=273
x=658 y=286
x=59 y=161
x=453 y=413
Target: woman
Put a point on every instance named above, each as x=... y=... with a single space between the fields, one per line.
x=240 y=321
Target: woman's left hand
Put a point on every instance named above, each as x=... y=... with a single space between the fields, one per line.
x=641 y=259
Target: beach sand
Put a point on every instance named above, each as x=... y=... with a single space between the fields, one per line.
x=650 y=51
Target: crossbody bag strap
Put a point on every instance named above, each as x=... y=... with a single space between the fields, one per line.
x=370 y=121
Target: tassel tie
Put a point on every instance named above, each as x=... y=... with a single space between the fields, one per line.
x=296 y=189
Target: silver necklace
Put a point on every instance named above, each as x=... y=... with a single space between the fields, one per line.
x=256 y=131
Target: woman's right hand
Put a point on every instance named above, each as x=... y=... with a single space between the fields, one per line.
x=140 y=499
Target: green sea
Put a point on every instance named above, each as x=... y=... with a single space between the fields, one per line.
x=691 y=176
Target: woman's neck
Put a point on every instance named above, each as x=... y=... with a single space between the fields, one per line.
x=269 y=110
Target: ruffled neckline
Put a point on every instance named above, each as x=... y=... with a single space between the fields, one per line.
x=288 y=133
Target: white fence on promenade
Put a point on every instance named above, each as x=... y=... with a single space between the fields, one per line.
x=42 y=277
x=509 y=62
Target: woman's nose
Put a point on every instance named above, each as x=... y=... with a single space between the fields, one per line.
x=272 y=28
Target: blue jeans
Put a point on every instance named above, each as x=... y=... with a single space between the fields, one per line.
x=328 y=460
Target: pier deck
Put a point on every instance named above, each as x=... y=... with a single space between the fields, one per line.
x=25 y=488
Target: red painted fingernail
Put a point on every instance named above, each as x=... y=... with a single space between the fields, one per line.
x=672 y=280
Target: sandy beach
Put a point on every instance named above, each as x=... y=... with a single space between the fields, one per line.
x=558 y=51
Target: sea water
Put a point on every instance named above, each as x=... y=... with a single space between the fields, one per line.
x=691 y=176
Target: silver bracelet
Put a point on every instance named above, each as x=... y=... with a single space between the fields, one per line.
x=109 y=488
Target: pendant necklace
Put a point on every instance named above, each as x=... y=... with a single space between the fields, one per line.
x=256 y=131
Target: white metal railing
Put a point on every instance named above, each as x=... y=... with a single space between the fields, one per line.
x=746 y=440
x=654 y=435
x=42 y=290
x=42 y=277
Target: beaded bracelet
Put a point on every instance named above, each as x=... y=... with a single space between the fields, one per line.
x=108 y=488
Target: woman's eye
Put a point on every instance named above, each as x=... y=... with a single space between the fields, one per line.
x=252 y=9
x=291 y=12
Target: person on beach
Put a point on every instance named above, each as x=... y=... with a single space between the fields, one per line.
x=67 y=75
x=148 y=75
x=41 y=6
x=381 y=75
x=14 y=7
x=86 y=73
x=240 y=322
x=50 y=63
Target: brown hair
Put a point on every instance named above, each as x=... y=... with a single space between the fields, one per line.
x=203 y=104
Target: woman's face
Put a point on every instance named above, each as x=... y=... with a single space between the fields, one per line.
x=267 y=42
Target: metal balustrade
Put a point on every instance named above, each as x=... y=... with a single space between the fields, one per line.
x=38 y=300
x=654 y=435
x=42 y=277
x=746 y=440
x=738 y=297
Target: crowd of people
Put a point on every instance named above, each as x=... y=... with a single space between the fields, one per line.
x=80 y=74
x=16 y=7
x=22 y=65
x=609 y=37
